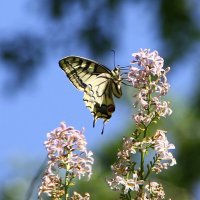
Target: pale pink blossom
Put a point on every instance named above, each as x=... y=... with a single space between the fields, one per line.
x=150 y=88
x=63 y=139
x=162 y=147
x=148 y=77
x=162 y=108
x=121 y=183
x=143 y=119
x=77 y=196
x=139 y=78
x=127 y=148
x=52 y=186
x=67 y=150
x=151 y=61
x=163 y=89
x=155 y=191
x=142 y=98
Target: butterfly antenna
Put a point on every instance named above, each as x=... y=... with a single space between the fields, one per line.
x=114 y=56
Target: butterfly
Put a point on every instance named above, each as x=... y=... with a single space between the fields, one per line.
x=98 y=84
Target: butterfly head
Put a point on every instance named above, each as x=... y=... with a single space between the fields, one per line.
x=116 y=85
x=116 y=75
x=116 y=71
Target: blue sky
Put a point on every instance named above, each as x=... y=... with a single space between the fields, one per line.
x=50 y=98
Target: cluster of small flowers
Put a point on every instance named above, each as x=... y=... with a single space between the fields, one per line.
x=52 y=186
x=164 y=158
x=125 y=178
x=153 y=191
x=125 y=184
x=150 y=80
x=77 y=196
x=66 y=149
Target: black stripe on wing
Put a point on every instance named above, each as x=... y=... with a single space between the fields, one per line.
x=81 y=71
x=72 y=74
x=97 y=68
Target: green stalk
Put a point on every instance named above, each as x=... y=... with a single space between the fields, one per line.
x=68 y=180
x=66 y=186
x=142 y=153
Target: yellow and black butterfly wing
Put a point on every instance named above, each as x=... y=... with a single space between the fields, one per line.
x=98 y=97
x=81 y=71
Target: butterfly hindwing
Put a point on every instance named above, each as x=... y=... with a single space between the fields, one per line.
x=97 y=82
x=98 y=97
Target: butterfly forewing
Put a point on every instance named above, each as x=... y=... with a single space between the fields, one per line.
x=98 y=83
x=81 y=71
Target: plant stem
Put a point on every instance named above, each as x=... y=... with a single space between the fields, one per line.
x=142 y=155
x=66 y=186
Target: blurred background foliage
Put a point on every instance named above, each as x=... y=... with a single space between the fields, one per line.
x=98 y=30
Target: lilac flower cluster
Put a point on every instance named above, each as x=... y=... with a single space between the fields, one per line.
x=77 y=196
x=150 y=81
x=162 y=147
x=67 y=150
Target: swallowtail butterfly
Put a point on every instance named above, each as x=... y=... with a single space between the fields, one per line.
x=98 y=84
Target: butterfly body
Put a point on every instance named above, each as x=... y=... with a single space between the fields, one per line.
x=98 y=83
